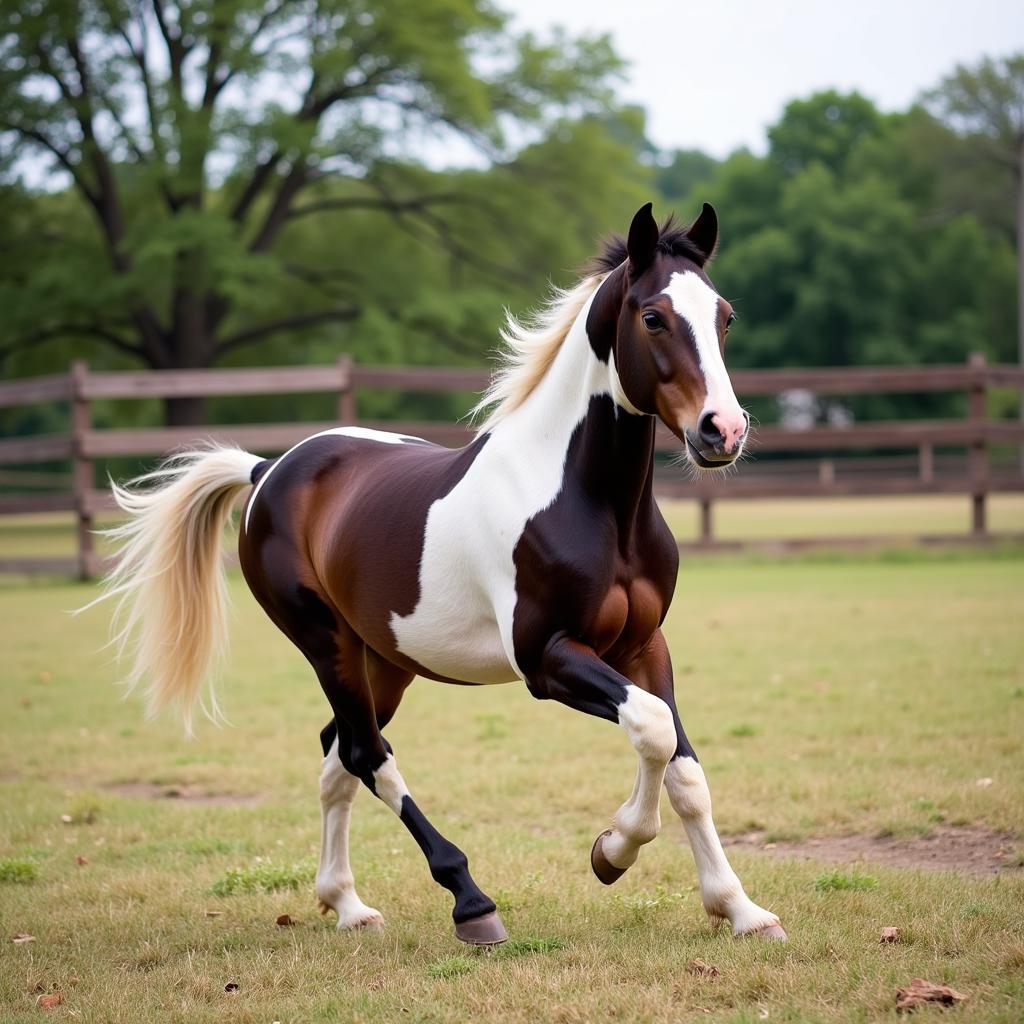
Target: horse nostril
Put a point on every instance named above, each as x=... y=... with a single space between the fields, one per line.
x=708 y=431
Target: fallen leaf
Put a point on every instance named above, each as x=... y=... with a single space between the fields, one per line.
x=50 y=1001
x=703 y=969
x=770 y=846
x=983 y=783
x=215 y=913
x=890 y=935
x=919 y=992
x=73 y=980
x=44 y=676
x=81 y=861
x=21 y=938
x=67 y=819
x=285 y=921
x=231 y=986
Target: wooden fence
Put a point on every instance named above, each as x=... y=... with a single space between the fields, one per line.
x=919 y=473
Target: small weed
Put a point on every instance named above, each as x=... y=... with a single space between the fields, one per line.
x=451 y=967
x=263 y=877
x=1016 y=859
x=492 y=727
x=642 y=901
x=743 y=729
x=17 y=870
x=840 y=881
x=529 y=945
x=84 y=810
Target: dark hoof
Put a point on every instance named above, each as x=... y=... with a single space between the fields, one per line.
x=482 y=931
x=603 y=868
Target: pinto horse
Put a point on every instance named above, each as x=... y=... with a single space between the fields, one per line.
x=535 y=553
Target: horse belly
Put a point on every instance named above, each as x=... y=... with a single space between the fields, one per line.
x=454 y=638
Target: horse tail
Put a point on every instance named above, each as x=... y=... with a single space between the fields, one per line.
x=169 y=580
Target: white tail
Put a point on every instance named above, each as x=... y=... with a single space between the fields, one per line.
x=171 y=613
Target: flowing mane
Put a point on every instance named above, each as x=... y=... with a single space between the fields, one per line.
x=531 y=344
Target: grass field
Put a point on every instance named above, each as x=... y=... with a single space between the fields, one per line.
x=859 y=695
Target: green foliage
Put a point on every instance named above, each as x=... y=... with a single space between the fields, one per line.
x=264 y=876
x=845 y=881
x=18 y=870
x=451 y=967
x=198 y=158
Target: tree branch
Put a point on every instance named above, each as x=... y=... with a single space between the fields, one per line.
x=286 y=323
x=381 y=203
x=57 y=330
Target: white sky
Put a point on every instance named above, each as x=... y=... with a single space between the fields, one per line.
x=714 y=75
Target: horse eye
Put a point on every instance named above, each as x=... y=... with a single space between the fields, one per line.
x=732 y=319
x=652 y=322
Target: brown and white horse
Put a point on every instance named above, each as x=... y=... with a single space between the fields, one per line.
x=535 y=553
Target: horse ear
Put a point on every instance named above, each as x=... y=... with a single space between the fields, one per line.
x=703 y=232
x=642 y=240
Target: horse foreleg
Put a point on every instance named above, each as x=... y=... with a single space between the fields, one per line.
x=721 y=891
x=573 y=674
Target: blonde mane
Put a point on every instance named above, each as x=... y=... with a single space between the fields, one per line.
x=531 y=345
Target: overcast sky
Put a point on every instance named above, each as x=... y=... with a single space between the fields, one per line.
x=714 y=75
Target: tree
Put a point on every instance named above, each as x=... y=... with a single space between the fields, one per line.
x=193 y=133
x=985 y=105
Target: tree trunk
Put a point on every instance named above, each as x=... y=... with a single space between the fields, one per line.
x=185 y=412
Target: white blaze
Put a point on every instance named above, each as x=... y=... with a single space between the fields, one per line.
x=697 y=304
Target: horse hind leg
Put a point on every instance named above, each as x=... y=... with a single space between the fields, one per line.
x=343 y=665
x=335 y=883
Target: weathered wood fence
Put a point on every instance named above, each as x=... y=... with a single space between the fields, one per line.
x=918 y=473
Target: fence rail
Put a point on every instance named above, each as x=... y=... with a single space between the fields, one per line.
x=84 y=444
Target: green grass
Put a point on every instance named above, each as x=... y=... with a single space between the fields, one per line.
x=18 y=870
x=824 y=696
x=845 y=881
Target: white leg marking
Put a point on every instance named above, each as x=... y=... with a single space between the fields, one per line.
x=720 y=890
x=335 y=885
x=648 y=723
x=390 y=785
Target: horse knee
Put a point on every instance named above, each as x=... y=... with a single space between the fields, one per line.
x=649 y=724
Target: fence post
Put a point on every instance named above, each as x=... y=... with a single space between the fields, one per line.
x=81 y=468
x=978 y=457
x=926 y=462
x=706 y=531
x=346 y=409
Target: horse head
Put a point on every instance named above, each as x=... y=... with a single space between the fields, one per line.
x=669 y=344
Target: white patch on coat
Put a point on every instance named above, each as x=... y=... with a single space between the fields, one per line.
x=335 y=885
x=462 y=625
x=697 y=304
x=720 y=890
x=364 y=433
x=389 y=784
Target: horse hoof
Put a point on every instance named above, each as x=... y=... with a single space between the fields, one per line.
x=606 y=871
x=486 y=930
x=772 y=932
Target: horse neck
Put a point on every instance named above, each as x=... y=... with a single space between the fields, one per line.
x=573 y=415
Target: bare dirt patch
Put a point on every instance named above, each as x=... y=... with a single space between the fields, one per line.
x=973 y=850
x=186 y=794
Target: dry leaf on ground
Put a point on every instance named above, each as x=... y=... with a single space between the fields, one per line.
x=285 y=921
x=921 y=991
x=231 y=986
x=703 y=969
x=889 y=935
x=81 y=861
x=48 y=1002
x=21 y=938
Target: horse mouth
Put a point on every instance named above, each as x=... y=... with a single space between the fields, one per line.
x=706 y=460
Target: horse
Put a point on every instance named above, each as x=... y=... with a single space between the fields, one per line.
x=536 y=553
